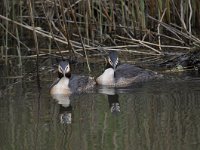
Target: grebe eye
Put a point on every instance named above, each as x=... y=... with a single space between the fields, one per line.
x=110 y=61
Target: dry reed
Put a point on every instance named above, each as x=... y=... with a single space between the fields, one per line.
x=88 y=25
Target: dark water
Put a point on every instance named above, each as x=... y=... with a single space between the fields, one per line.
x=155 y=115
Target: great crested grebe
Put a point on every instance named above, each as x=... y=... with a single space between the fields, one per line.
x=123 y=75
x=67 y=83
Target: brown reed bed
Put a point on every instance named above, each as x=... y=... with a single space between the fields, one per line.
x=90 y=28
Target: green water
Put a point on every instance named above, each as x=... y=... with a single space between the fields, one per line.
x=154 y=115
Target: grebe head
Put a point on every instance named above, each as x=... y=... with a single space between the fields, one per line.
x=64 y=69
x=113 y=59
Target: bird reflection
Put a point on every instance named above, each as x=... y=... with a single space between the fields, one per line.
x=65 y=111
x=114 y=104
x=65 y=114
x=113 y=97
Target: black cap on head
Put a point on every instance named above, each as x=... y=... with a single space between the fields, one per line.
x=63 y=64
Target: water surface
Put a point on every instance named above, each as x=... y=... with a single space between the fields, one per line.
x=155 y=115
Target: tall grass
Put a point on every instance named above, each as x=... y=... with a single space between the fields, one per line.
x=80 y=27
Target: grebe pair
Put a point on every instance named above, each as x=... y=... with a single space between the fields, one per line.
x=114 y=75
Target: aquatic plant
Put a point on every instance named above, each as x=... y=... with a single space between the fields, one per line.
x=88 y=28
